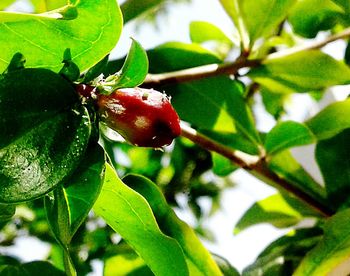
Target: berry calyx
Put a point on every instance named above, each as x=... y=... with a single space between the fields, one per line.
x=143 y=117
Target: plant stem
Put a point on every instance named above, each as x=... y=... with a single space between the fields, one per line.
x=256 y=166
x=68 y=264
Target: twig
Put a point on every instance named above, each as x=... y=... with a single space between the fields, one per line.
x=256 y=166
x=199 y=72
x=312 y=46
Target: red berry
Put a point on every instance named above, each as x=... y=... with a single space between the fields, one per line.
x=143 y=117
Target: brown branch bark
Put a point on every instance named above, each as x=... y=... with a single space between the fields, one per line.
x=257 y=167
x=200 y=72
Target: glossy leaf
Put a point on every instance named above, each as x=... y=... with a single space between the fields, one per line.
x=129 y=214
x=6 y=212
x=308 y=17
x=303 y=71
x=44 y=5
x=287 y=135
x=133 y=72
x=332 y=250
x=332 y=155
x=198 y=258
x=216 y=103
x=287 y=167
x=331 y=120
x=201 y=31
x=279 y=210
x=91 y=36
x=283 y=255
x=36 y=162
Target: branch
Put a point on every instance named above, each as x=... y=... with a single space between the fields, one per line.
x=197 y=73
x=312 y=46
x=212 y=70
x=256 y=166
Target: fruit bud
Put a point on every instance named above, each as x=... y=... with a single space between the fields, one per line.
x=143 y=117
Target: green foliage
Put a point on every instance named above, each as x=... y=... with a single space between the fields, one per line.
x=57 y=163
x=303 y=71
x=331 y=251
x=90 y=36
x=129 y=214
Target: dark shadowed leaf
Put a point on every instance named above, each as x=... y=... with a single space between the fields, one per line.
x=332 y=157
x=6 y=211
x=308 y=17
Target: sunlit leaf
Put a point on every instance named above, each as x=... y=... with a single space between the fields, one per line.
x=331 y=120
x=91 y=36
x=201 y=31
x=129 y=214
x=303 y=71
x=332 y=250
x=198 y=258
x=287 y=135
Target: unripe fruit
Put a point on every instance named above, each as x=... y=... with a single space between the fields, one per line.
x=144 y=117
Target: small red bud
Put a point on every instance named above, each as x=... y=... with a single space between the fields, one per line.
x=143 y=117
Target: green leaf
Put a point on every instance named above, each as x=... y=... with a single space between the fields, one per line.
x=91 y=36
x=288 y=168
x=332 y=250
x=216 y=103
x=133 y=72
x=96 y=70
x=6 y=212
x=84 y=186
x=332 y=155
x=283 y=255
x=308 y=17
x=44 y=133
x=198 y=258
x=133 y=8
x=256 y=18
x=286 y=135
x=45 y=5
x=222 y=166
x=69 y=70
x=17 y=63
x=129 y=214
x=31 y=268
x=347 y=54
x=70 y=205
x=303 y=71
x=57 y=212
x=126 y=262
x=201 y=31
x=5 y=3
x=67 y=12
x=331 y=120
x=279 y=210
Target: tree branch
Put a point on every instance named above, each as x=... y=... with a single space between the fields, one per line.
x=200 y=72
x=256 y=166
x=212 y=70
